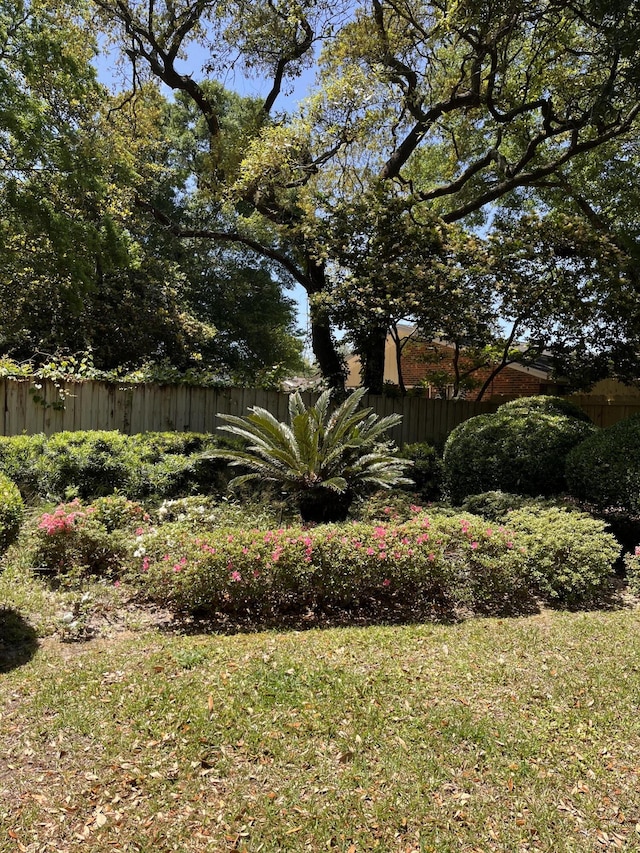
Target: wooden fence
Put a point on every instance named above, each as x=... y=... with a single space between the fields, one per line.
x=604 y=412
x=28 y=406
x=37 y=406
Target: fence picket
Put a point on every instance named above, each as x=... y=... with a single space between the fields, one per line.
x=140 y=408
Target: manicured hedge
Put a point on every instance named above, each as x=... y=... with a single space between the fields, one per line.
x=90 y=464
x=604 y=469
x=547 y=405
x=517 y=452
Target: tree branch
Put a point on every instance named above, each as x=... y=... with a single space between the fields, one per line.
x=531 y=177
x=225 y=237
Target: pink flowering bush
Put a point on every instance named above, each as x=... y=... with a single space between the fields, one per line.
x=93 y=538
x=441 y=561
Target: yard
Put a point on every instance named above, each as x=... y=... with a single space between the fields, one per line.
x=182 y=671
x=490 y=734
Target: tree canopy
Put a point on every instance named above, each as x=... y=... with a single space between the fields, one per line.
x=430 y=122
x=448 y=108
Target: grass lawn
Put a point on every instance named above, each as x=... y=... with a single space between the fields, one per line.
x=492 y=734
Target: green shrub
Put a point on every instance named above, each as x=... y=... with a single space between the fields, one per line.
x=87 y=539
x=11 y=511
x=494 y=506
x=546 y=405
x=510 y=452
x=604 y=470
x=632 y=566
x=84 y=464
x=18 y=460
x=570 y=555
x=427 y=470
x=445 y=562
x=603 y=474
x=89 y=464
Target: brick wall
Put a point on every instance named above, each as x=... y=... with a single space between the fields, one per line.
x=420 y=358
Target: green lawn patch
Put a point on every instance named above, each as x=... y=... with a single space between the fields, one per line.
x=493 y=734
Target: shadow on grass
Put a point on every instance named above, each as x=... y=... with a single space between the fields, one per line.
x=378 y=613
x=18 y=640
x=369 y=614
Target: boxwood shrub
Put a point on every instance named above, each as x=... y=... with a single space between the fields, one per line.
x=547 y=405
x=511 y=451
x=570 y=555
x=604 y=469
x=90 y=464
x=603 y=474
x=11 y=511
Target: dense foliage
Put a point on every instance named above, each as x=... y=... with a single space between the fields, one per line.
x=90 y=464
x=546 y=405
x=518 y=452
x=11 y=511
x=433 y=562
x=422 y=115
x=604 y=470
x=570 y=555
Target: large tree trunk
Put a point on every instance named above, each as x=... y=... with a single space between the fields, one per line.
x=322 y=341
x=372 y=359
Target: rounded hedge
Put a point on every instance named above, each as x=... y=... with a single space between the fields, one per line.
x=571 y=555
x=11 y=511
x=604 y=469
x=546 y=405
x=511 y=451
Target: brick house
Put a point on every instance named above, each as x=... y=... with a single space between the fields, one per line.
x=420 y=357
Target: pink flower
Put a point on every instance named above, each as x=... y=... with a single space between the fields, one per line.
x=382 y=555
x=236 y=576
x=145 y=564
x=637 y=551
x=370 y=552
x=474 y=545
x=386 y=582
x=415 y=508
x=139 y=531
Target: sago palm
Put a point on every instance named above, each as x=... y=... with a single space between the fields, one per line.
x=324 y=457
